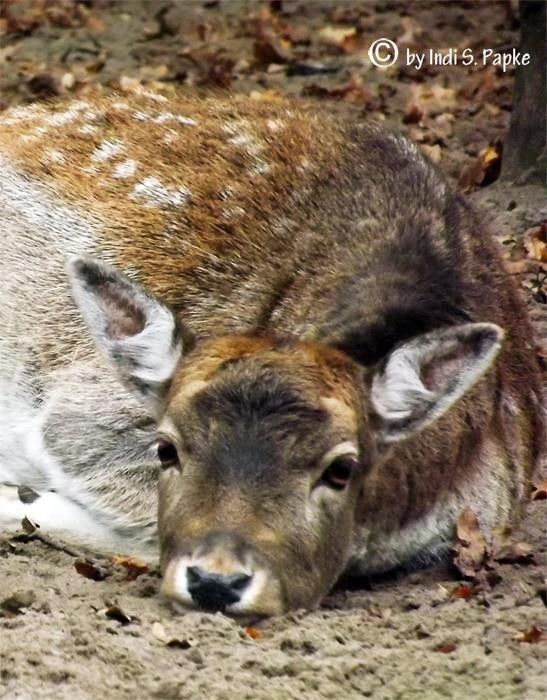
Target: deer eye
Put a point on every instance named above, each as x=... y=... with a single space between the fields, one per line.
x=337 y=475
x=167 y=454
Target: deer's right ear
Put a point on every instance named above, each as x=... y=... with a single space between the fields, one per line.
x=136 y=332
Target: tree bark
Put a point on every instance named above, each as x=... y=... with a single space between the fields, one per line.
x=525 y=157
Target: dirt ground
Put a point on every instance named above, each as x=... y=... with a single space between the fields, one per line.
x=421 y=635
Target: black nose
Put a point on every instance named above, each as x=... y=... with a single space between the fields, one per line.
x=215 y=591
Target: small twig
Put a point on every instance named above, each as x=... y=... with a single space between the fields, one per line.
x=49 y=542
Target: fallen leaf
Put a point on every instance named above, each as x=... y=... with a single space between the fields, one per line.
x=253 y=632
x=43 y=85
x=536 y=243
x=95 y=24
x=431 y=99
x=471 y=549
x=533 y=635
x=516 y=553
x=29 y=526
x=267 y=95
x=114 y=612
x=272 y=50
x=464 y=592
x=540 y=491
x=128 y=84
x=352 y=91
x=158 y=630
x=336 y=36
x=135 y=567
x=90 y=569
x=434 y=153
x=411 y=31
x=17 y=602
x=446 y=647
x=413 y=114
x=484 y=170
x=179 y=643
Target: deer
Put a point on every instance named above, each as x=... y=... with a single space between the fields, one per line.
x=270 y=341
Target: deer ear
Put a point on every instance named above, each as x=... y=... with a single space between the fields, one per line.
x=422 y=379
x=136 y=332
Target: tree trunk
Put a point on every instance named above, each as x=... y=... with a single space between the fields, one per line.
x=525 y=157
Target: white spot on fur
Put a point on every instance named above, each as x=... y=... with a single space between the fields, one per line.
x=21 y=114
x=88 y=129
x=274 y=124
x=125 y=169
x=170 y=136
x=233 y=212
x=260 y=167
x=107 y=150
x=227 y=192
x=69 y=115
x=54 y=156
x=152 y=95
x=157 y=194
x=187 y=121
x=164 y=117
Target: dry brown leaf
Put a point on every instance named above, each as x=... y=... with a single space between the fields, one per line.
x=532 y=635
x=253 y=632
x=29 y=526
x=16 y=603
x=352 y=91
x=536 y=243
x=128 y=84
x=540 y=491
x=114 y=612
x=336 y=36
x=465 y=592
x=95 y=24
x=413 y=114
x=176 y=643
x=135 y=567
x=471 y=550
x=515 y=553
x=411 y=31
x=484 y=170
x=90 y=569
x=431 y=99
x=272 y=50
x=434 y=153
x=158 y=630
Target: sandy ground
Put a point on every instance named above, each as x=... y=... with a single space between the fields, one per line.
x=63 y=635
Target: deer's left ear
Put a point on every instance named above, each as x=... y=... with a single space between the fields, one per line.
x=136 y=332
x=424 y=377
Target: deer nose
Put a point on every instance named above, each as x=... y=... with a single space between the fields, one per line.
x=215 y=592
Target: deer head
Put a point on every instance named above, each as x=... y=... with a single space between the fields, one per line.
x=265 y=443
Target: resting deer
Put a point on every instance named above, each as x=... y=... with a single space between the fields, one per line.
x=285 y=324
